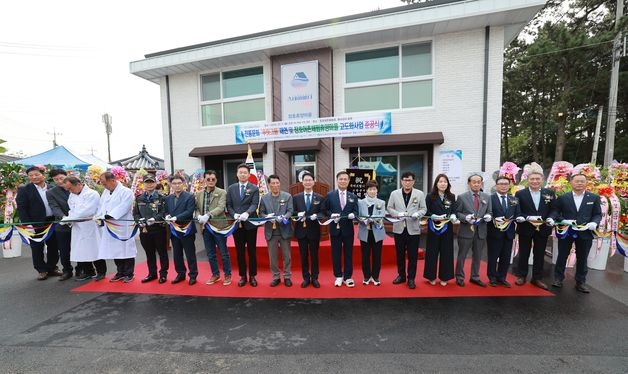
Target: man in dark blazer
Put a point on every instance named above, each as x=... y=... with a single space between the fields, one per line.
x=180 y=208
x=499 y=243
x=307 y=205
x=32 y=206
x=58 y=200
x=342 y=206
x=535 y=204
x=242 y=204
x=576 y=208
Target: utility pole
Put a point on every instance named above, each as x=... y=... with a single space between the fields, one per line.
x=107 y=119
x=596 y=138
x=609 y=148
x=54 y=134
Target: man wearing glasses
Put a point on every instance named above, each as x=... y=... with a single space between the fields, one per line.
x=210 y=207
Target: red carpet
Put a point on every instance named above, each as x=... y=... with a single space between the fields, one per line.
x=327 y=290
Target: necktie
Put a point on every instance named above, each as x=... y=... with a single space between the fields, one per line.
x=504 y=206
x=342 y=200
x=307 y=201
x=241 y=192
x=476 y=202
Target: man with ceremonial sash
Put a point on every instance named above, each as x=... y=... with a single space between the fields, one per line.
x=501 y=232
x=116 y=214
x=211 y=203
x=307 y=229
x=150 y=207
x=242 y=204
x=179 y=214
x=32 y=206
x=278 y=204
x=474 y=210
x=580 y=210
x=58 y=201
x=535 y=204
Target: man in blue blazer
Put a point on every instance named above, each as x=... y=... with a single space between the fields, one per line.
x=580 y=208
x=180 y=208
x=32 y=206
x=499 y=243
x=342 y=206
x=307 y=205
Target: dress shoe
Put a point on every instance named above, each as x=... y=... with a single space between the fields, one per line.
x=42 y=276
x=504 y=283
x=83 y=276
x=178 y=279
x=338 y=282
x=162 y=280
x=460 y=282
x=539 y=284
x=443 y=283
x=117 y=277
x=581 y=287
x=376 y=282
x=149 y=278
x=242 y=282
x=213 y=279
x=492 y=283
x=253 y=282
x=520 y=281
x=399 y=280
x=275 y=282
x=65 y=276
x=349 y=283
x=128 y=278
x=432 y=282
x=227 y=280
x=315 y=283
x=478 y=282
x=55 y=273
x=192 y=281
x=287 y=282
x=305 y=283
x=411 y=284
x=557 y=284
x=98 y=277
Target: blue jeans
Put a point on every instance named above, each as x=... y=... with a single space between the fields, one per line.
x=211 y=242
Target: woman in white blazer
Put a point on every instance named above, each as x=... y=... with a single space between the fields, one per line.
x=371 y=233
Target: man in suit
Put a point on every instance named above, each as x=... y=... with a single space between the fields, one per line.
x=575 y=208
x=474 y=210
x=180 y=209
x=150 y=206
x=535 y=204
x=33 y=206
x=407 y=204
x=342 y=206
x=277 y=233
x=242 y=204
x=210 y=207
x=58 y=200
x=308 y=204
x=499 y=243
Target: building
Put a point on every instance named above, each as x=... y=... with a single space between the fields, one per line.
x=436 y=67
x=141 y=160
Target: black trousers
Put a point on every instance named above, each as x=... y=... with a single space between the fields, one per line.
x=179 y=246
x=342 y=245
x=88 y=267
x=439 y=253
x=582 y=253
x=525 y=246
x=154 y=242
x=405 y=242
x=371 y=250
x=45 y=263
x=63 y=243
x=125 y=266
x=499 y=250
x=246 y=242
x=309 y=248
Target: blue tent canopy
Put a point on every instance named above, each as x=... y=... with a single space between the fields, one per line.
x=59 y=156
x=381 y=169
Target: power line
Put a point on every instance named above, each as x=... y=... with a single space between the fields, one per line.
x=567 y=49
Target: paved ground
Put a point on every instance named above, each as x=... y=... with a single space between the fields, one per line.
x=47 y=328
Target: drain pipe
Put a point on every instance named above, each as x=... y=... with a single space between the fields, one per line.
x=169 y=125
x=487 y=34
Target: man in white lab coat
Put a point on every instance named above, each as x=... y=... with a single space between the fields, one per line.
x=83 y=203
x=116 y=206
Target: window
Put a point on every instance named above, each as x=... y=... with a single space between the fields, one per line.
x=233 y=97
x=389 y=167
x=302 y=162
x=389 y=78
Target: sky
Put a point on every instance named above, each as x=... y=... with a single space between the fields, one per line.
x=63 y=64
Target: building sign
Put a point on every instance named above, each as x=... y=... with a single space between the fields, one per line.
x=450 y=163
x=358 y=179
x=299 y=90
x=358 y=125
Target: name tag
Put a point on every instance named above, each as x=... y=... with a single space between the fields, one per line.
x=590 y=203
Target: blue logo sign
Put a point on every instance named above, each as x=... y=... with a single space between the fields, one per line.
x=299 y=80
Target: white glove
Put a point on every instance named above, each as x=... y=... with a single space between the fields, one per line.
x=98 y=218
x=487 y=218
x=415 y=215
x=301 y=214
x=279 y=218
x=203 y=219
x=335 y=215
x=550 y=222
x=440 y=216
x=313 y=217
x=569 y=222
x=142 y=224
x=236 y=216
x=167 y=218
x=533 y=218
x=172 y=219
x=402 y=214
x=498 y=219
x=520 y=219
x=469 y=218
x=62 y=221
x=591 y=226
x=351 y=216
x=453 y=218
x=150 y=221
x=244 y=216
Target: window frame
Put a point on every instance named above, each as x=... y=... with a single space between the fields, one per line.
x=426 y=184
x=295 y=165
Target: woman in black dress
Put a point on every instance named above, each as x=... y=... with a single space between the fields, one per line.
x=440 y=244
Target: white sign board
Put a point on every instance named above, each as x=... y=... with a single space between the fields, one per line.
x=450 y=163
x=299 y=91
